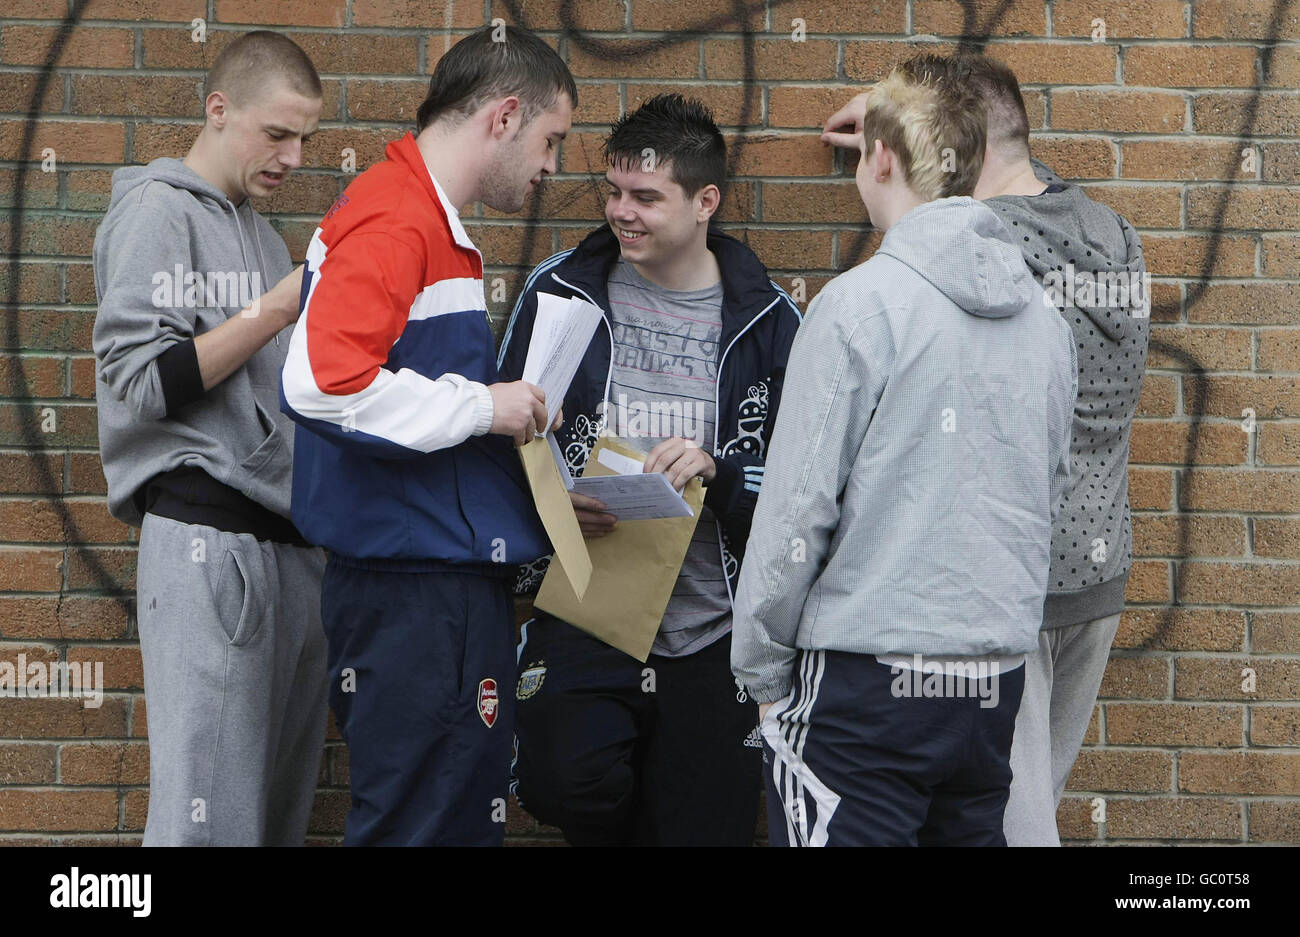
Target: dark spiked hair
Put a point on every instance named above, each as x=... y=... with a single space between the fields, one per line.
x=676 y=130
x=496 y=62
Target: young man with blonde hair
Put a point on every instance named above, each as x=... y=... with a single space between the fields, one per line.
x=188 y=352
x=897 y=564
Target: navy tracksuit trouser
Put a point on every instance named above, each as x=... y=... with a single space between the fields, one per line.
x=421 y=668
x=864 y=754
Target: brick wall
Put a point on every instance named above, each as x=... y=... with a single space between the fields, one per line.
x=1184 y=118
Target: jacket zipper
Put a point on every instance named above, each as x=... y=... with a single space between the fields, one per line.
x=717 y=385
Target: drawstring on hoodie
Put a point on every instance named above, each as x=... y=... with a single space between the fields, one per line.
x=261 y=261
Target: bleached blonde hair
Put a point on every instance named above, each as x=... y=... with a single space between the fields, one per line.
x=934 y=124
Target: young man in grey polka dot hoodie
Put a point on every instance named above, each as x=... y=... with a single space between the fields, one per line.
x=1089 y=261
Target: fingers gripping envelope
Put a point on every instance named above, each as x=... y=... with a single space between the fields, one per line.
x=615 y=587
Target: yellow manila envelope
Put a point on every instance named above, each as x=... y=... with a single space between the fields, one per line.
x=556 y=512
x=633 y=570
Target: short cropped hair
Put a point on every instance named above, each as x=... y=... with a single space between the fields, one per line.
x=678 y=131
x=995 y=83
x=479 y=69
x=241 y=70
x=934 y=125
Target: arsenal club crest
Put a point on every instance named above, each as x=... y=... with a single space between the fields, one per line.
x=487 y=701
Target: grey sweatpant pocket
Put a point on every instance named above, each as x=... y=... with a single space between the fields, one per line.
x=234 y=667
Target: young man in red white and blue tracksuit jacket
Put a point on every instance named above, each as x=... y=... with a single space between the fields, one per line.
x=425 y=514
x=613 y=751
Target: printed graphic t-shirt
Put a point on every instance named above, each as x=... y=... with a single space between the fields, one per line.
x=663 y=384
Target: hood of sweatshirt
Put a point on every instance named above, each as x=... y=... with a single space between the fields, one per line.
x=1085 y=255
x=983 y=272
x=175 y=173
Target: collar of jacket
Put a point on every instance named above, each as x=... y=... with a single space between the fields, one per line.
x=746 y=289
x=407 y=152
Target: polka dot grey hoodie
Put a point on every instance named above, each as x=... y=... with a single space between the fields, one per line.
x=1089 y=261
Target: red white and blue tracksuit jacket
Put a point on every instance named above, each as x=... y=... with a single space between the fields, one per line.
x=387 y=376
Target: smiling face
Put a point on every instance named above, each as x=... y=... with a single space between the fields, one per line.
x=261 y=142
x=651 y=214
x=526 y=156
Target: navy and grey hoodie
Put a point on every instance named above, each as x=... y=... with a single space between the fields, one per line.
x=1064 y=232
x=917 y=461
x=174 y=258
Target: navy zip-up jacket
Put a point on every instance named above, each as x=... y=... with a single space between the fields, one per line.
x=759 y=321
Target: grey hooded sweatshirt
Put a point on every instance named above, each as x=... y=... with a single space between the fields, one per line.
x=1107 y=307
x=174 y=258
x=916 y=462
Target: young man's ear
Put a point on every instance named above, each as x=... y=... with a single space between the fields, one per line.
x=708 y=200
x=506 y=117
x=217 y=108
x=884 y=161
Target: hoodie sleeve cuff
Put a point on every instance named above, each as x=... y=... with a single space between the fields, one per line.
x=484 y=411
x=179 y=375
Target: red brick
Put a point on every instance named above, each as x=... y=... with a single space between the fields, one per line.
x=1118 y=111
x=637 y=58
x=62 y=718
x=1239 y=113
x=1274 y=821
x=83 y=47
x=1242 y=19
x=1240 y=583
x=1174 y=725
x=1275 y=632
x=584 y=16
x=1180 y=66
x=27 y=764
x=1275 y=725
x=1150 y=488
x=417 y=14
x=1073 y=63
x=1182 y=629
x=72 y=141
x=1194 y=255
x=1132 y=771
x=1135 y=678
x=54 y=809
x=284 y=13
x=1260 y=208
x=1239 y=773
x=872 y=60
x=1148 y=581
x=1146 y=206
x=1075 y=157
x=1173 y=818
x=1153 y=19
x=982 y=18
x=104 y=763
x=1279 y=443
x=772 y=59
x=1182 y=159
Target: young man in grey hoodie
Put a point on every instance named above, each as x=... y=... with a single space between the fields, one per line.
x=1089 y=261
x=896 y=569
x=189 y=344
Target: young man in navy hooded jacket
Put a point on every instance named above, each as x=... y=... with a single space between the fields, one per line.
x=689 y=368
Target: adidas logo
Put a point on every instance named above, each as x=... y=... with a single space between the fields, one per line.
x=754 y=739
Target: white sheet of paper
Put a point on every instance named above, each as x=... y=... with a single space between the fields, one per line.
x=631 y=495
x=562 y=330
x=634 y=497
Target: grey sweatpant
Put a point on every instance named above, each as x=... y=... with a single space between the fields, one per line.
x=235 y=685
x=1062 y=678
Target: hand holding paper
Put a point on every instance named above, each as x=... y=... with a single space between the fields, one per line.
x=562 y=330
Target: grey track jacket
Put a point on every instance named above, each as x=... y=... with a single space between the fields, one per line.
x=918 y=455
x=166 y=232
